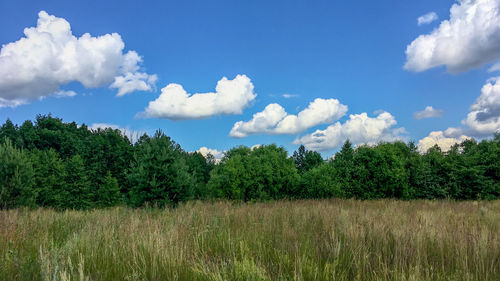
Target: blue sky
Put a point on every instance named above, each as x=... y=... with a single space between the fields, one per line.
x=352 y=51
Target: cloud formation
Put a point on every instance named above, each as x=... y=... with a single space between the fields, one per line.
x=443 y=140
x=132 y=135
x=274 y=119
x=215 y=153
x=230 y=97
x=427 y=18
x=428 y=112
x=484 y=115
x=469 y=39
x=50 y=56
x=359 y=129
x=482 y=120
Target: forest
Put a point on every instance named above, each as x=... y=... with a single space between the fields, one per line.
x=51 y=163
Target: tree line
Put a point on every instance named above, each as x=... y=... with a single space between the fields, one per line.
x=50 y=163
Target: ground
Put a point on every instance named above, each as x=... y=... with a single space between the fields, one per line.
x=285 y=240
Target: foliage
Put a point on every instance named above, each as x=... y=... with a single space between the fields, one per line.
x=261 y=173
x=16 y=177
x=108 y=193
x=159 y=174
x=305 y=159
x=63 y=165
x=50 y=178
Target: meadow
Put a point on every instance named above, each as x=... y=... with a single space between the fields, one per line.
x=281 y=240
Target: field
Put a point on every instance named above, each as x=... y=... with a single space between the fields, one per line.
x=297 y=240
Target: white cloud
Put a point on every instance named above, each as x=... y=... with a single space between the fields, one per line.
x=428 y=112
x=230 y=97
x=255 y=146
x=262 y=122
x=12 y=103
x=50 y=56
x=274 y=119
x=484 y=116
x=467 y=40
x=359 y=129
x=133 y=135
x=427 y=18
x=62 y=94
x=215 y=153
x=453 y=132
x=130 y=82
x=288 y=96
x=440 y=139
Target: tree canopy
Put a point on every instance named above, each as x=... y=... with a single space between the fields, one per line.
x=61 y=165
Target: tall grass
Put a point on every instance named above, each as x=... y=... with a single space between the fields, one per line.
x=301 y=240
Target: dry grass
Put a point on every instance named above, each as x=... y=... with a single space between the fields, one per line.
x=301 y=240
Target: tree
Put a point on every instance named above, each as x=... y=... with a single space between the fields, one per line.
x=50 y=178
x=200 y=167
x=262 y=173
x=28 y=135
x=379 y=171
x=10 y=130
x=16 y=177
x=158 y=174
x=343 y=164
x=78 y=193
x=108 y=193
x=107 y=150
x=322 y=181
x=305 y=160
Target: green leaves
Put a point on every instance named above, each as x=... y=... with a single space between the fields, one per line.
x=16 y=177
x=64 y=166
x=255 y=174
x=159 y=174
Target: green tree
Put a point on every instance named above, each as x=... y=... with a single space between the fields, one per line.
x=78 y=193
x=158 y=174
x=50 y=178
x=343 y=164
x=305 y=160
x=262 y=173
x=29 y=135
x=11 y=131
x=200 y=167
x=380 y=171
x=108 y=193
x=322 y=182
x=16 y=177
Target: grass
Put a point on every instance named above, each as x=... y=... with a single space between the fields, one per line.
x=300 y=240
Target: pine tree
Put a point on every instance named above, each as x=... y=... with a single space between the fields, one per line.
x=78 y=193
x=108 y=193
x=16 y=177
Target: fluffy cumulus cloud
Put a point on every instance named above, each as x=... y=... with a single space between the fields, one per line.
x=427 y=18
x=230 y=97
x=359 y=129
x=482 y=120
x=274 y=119
x=469 y=39
x=484 y=116
x=443 y=140
x=50 y=56
x=214 y=152
x=428 y=112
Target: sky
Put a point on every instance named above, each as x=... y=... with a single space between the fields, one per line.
x=217 y=74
